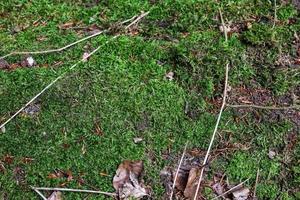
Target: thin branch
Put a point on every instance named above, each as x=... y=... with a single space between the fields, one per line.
x=137 y=19
x=64 y=47
x=256 y=182
x=53 y=50
x=231 y=189
x=177 y=171
x=214 y=133
x=39 y=193
x=74 y=190
x=275 y=14
x=224 y=26
x=263 y=107
x=60 y=77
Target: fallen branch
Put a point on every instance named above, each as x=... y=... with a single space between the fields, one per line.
x=231 y=189
x=177 y=171
x=74 y=190
x=62 y=75
x=69 y=45
x=263 y=107
x=39 y=193
x=214 y=133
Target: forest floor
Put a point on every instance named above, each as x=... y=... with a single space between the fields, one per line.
x=143 y=95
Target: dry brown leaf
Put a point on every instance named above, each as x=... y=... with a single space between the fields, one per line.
x=4 y=64
x=182 y=179
x=28 y=62
x=241 y=194
x=170 y=76
x=55 y=196
x=192 y=182
x=126 y=181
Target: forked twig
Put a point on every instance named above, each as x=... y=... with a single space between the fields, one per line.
x=62 y=75
x=214 y=133
x=39 y=193
x=137 y=19
x=74 y=190
x=263 y=107
x=231 y=189
x=177 y=171
x=64 y=47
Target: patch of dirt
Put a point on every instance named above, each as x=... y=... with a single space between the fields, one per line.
x=143 y=123
x=263 y=97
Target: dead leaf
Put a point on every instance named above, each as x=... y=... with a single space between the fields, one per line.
x=272 y=154
x=55 y=196
x=27 y=160
x=170 y=76
x=32 y=109
x=192 y=182
x=85 y=56
x=4 y=64
x=126 y=181
x=20 y=176
x=8 y=159
x=166 y=177
x=137 y=140
x=67 y=25
x=241 y=194
x=28 y=62
x=3 y=130
x=69 y=175
x=2 y=168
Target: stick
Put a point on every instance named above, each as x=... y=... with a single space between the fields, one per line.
x=215 y=131
x=137 y=19
x=75 y=190
x=39 y=193
x=275 y=14
x=64 y=47
x=264 y=107
x=177 y=171
x=256 y=181
x=224 y=26
x=59 y=77
x=231 y=189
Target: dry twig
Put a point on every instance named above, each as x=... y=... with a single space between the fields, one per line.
x=63 y=74
x=224 y=26
x=177 y=171
x=231 y=189
x=263 y=107
x=74 y=190
x=69 y=45
x=214 y=133
x=256 y=182
x=39 y=193
x=275 y=13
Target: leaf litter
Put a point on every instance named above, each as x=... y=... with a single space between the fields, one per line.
x=188 y=177
x=127 y=181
